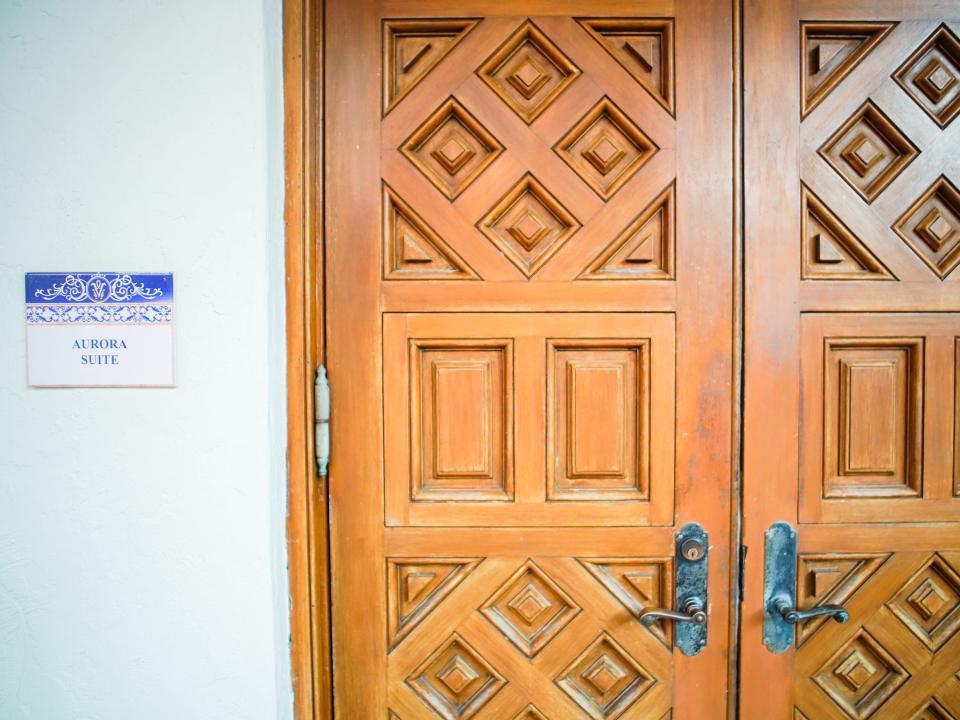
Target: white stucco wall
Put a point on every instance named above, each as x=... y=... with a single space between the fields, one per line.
x=142 y=555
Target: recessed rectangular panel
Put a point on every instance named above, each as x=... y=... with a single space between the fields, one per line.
x=595 y=419
x=872 y=429
x=872 y=417
x=458 y=405
x=599 y=400
x=523 y=419
x=878 y=417
x=463 y=412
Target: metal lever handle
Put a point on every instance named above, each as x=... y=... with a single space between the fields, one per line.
x=693 y=612
x=784 y=605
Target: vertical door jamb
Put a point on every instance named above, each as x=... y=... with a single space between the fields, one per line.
x=307 y=521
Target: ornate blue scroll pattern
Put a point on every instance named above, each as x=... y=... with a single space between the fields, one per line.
x=99 y=297
x=98 y=287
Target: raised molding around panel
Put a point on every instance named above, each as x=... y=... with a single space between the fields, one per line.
x=598 y=419
x=830 y=250
x=528 y=225
x=644 y=47
x=530 y=609
x=413 y=250
x=455 y=681
x=639 y=584
x=868 y=151
x=931 y=76
x=451 y=148
x=830 y=51
x=412 y=48
x=931 y=227
x=645 y=249
x=461 y=420
x=416 y=586
x=528 y=71
x=873 y=417
x=605 y=148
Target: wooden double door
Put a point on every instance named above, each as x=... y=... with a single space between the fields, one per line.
x=601 y=272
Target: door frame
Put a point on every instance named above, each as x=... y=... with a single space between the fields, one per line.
x=307 y=523
x=307 y=520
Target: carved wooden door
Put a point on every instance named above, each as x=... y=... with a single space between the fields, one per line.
x=530 y=267
x=852 y=169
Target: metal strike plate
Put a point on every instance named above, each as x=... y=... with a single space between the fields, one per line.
x=779 y=580
x=691 y=584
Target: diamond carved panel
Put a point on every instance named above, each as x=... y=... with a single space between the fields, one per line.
x=643 y=46
x=868 y=151
x=861 y=676
x=455 y=681
x=606 y=148
x=528 y=225
x=929 y=603
x=931 y=76
x=528 y=72
x=451 y=148
x=604 y=680
x=931 y=227
x=530 y=609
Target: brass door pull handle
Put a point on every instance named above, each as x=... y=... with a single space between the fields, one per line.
x=693 y=612
x=784 y=605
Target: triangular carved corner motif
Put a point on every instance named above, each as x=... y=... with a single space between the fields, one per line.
x=644 y=250
x=830 y=250
x=831 y=579
x=412 y=48
x=415 y=586
x=413 y=250
x=830 y=51
x=644 y=47
x=638 y=583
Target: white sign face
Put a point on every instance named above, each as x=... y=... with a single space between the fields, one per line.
x=102 y=329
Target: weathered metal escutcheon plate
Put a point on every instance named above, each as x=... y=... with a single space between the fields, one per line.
x=779 y=579
x=692 y=547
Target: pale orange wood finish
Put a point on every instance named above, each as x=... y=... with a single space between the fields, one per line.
x=307 y=539
x=852 y=223
x=529 y=280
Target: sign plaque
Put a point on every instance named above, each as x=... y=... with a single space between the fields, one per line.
x=99 y=329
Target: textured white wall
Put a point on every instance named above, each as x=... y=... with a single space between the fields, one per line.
x=142 y=556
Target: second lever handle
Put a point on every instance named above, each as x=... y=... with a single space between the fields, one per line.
x=784 y=605
x=693 y=611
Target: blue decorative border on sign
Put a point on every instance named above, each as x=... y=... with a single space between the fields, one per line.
x=99 y=287
x=99 y=297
